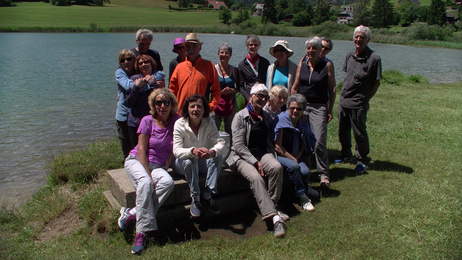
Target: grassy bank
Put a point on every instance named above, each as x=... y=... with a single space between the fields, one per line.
x=407 y=206
x=128 y=16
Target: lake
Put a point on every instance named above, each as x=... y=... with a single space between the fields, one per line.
x=57 y=91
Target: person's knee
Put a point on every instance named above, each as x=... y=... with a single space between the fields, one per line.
x=145 y=183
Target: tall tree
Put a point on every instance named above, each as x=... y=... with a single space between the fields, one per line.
x=437 y=12
x=361 y=13
x=225 y=15
x=382 y=13
x=269 y=12
x=321 y=11
x=407 y=11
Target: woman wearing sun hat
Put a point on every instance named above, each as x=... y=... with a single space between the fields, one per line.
x=282 y=70
x=180 y=49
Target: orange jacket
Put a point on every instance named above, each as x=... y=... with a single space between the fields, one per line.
x=190 y=78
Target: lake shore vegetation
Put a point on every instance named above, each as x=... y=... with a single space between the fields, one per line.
x=159 y=16
x=407 y=206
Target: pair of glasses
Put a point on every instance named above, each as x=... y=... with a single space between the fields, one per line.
x=144 y=62
x=262 y=96
x=295 y=108
x=126 y=59
x=164 y=102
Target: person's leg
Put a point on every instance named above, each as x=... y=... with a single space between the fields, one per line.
x=132 y=137
x=273 y=170
x=164 y=185
x=359 y=118
x=122 y=133
x=258 y=187
x=292 y=169
x=318 y=124
x=344 y=131
x=213 y=168
x=190 y=169
x=145 y=210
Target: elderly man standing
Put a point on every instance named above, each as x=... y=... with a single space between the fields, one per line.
x=143 y=40
x=195 y=75
x=363 y=73
x=252 y=155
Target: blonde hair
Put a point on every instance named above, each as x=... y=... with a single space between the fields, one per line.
x=126 y=53
x=168 y=94
x=277 y=90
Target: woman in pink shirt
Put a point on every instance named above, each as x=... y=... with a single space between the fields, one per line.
x=147 y=165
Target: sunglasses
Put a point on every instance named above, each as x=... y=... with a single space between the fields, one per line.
x=160 y=102
x=262 y=96
x=295 y=108
x=126 y=59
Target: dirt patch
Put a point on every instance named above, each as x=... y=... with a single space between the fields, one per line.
x=62 y=225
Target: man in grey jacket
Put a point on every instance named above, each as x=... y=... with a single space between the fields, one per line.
x=252 y=155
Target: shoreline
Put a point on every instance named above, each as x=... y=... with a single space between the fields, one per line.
x=265 y=30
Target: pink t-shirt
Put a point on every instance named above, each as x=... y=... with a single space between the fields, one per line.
x=160 y=145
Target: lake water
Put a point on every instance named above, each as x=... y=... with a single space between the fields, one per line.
x=57 y=91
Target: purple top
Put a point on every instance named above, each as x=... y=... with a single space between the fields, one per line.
x=160 y=145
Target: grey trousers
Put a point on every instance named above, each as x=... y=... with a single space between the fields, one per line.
x=356 y=119
x=266 y=198
x=151 y=192
x=317 y=116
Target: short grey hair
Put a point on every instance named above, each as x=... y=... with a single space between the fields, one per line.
x=251 y=38
x=363 y=29
x=329 y=41
x=316 y=42
x=277 y=90
x=144 y=32
x=299 y=98
x=225 y=46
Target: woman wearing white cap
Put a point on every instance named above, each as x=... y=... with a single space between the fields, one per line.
x=282 y=70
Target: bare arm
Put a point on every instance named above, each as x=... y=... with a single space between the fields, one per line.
x=142 y=151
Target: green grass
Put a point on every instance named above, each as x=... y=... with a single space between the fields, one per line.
x=407 y=206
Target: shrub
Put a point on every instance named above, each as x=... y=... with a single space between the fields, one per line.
x=421 y=31
x=301 y=19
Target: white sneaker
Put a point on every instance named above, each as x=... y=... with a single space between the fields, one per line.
x=308 y=206
x=283 y=216
x=306 y=203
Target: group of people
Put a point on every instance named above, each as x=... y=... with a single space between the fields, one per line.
x=282 y=125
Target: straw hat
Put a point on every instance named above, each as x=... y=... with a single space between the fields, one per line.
x=192 y=37
x=282 y=43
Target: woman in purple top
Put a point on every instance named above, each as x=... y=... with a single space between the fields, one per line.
x=147 y=164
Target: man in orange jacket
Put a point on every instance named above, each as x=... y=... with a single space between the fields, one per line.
x=195 y=75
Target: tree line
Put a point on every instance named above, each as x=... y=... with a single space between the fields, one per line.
x=377 y=13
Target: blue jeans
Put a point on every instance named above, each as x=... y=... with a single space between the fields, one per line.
x=295 y=170
x=191 y=168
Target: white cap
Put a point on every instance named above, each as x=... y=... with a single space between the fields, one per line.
x=258 y=87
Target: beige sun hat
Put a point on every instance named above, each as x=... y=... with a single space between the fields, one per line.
x=192 y=37
x=282 y=43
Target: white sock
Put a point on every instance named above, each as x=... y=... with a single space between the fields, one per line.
x=132 y=212
x=277 y=218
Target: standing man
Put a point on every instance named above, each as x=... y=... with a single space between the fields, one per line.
x=363 y=70
x=195 y=75
x=143 y=40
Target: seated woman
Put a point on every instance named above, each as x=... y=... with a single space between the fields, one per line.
x=137 y=99
x=277 y=99
x=147 y=166
x=282 y=70
x=291 y=134
x=228 y=76
x=198 y=148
